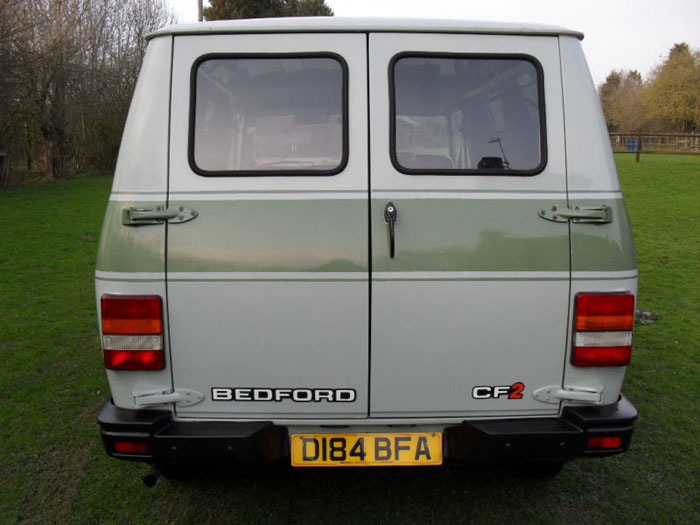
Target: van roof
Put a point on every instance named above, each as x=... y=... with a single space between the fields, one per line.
x=360 y=25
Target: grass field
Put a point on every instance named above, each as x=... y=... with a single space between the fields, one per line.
x=53 y=467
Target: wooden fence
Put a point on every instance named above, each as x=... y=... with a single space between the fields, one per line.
x=672 y=143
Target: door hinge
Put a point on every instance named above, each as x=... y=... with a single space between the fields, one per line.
x=141 y=215
x=554 y=394
x=585 y=214
x=161 y=396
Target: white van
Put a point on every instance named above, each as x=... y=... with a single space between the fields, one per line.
x=349 y=242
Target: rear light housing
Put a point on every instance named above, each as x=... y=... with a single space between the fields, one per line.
x=603 y=325
x=132 y=332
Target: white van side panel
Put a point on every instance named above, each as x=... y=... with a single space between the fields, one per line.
x=602 y=256
x=143 y=155
x=131 y=260
x=590 y=163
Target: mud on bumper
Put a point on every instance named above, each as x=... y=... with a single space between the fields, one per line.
x=159 y=438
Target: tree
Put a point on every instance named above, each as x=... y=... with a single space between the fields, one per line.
x=621 y=99
x=108 y=77
x=13 y=31
x=673 y=92
x=72 y=68
x=606 y=92
x=628 y=108
x=307 y=8
x=234 y=9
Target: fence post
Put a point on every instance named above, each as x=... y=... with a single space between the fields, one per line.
x=4 y=168
x=639 y=147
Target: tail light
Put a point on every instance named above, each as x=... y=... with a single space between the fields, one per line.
x=132 y=332
x=603 y=329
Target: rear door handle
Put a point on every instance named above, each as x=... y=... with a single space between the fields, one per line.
x=390 y=215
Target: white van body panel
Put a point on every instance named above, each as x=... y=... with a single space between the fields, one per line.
x=603 y=257
x=438 y=334
x=285 y=322
x=384 y=46
x=122 y=385
x=335 y=24
x=142 y=163
x=365 y=231
x=188 y=49
x=283 y=334
x=482 y=341
x=610 y=378
x=412 y=342
x=589 y=157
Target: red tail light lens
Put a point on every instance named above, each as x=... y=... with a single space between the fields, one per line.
x=602 y=356
x=131 y=447
x=603 y=329
x=604 y=442
x=132 y=332
x=134 y=359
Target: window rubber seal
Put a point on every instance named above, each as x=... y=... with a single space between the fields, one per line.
x=267 y=173
x=471 y=172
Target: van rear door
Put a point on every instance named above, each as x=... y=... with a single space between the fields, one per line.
x=470 y=287
x=268 y=286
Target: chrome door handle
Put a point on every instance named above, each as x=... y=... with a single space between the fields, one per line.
x=137 y=216
x=390 y=215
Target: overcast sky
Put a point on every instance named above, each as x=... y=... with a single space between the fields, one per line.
x=620 y=34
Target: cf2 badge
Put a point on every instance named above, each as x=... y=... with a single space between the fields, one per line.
x=514 y=391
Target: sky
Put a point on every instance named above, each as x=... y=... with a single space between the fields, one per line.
x=620 y=34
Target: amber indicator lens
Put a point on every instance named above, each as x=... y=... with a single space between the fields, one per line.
x=604 y=311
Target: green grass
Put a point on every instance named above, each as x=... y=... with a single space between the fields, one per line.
x=53 y=467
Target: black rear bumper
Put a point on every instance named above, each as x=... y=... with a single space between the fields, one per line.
x=175 y=442
x=544 y=439
x=552 y=439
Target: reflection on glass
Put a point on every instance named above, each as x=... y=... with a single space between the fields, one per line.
x=466 y=114
x=268 y=114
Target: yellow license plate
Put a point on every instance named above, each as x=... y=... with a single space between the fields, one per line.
x=366 y=450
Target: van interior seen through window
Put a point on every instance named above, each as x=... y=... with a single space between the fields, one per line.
x=462 y=115
x=268 y=115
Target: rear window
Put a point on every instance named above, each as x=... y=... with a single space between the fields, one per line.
x=268 y=115
x=467 y=114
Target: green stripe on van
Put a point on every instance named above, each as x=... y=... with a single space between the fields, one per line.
x=314 y=235
x=469 y=235
x=603 y=247
x=130 y=248
x=319 y=235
